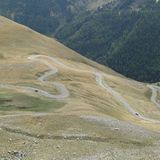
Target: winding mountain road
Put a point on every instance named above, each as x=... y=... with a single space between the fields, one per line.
x=120 y=98
x=64 y=93
x=154 y=90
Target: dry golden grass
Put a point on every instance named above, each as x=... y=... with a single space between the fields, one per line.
x=18 y=42
x=86 y=96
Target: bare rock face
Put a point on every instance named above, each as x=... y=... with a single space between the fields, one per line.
x=17 y=154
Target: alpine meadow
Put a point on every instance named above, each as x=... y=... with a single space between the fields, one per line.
x=79 y=80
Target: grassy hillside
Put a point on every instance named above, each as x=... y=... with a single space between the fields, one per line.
x=89 y=123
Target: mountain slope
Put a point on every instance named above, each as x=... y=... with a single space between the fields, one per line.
x=138 y=54
x=102 y=30
x=121 y=37
x=56 y=101
x=47 y=16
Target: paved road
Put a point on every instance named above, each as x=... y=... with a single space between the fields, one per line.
x=120 y=98
x=63 y=92
x=154 y=94
x=99 y=76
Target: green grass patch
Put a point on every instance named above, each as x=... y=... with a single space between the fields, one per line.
x=148 y=93
x=2 y=56
x=19 y=102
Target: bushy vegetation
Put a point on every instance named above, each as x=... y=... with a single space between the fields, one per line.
x=95 y=34
x=138 y=54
